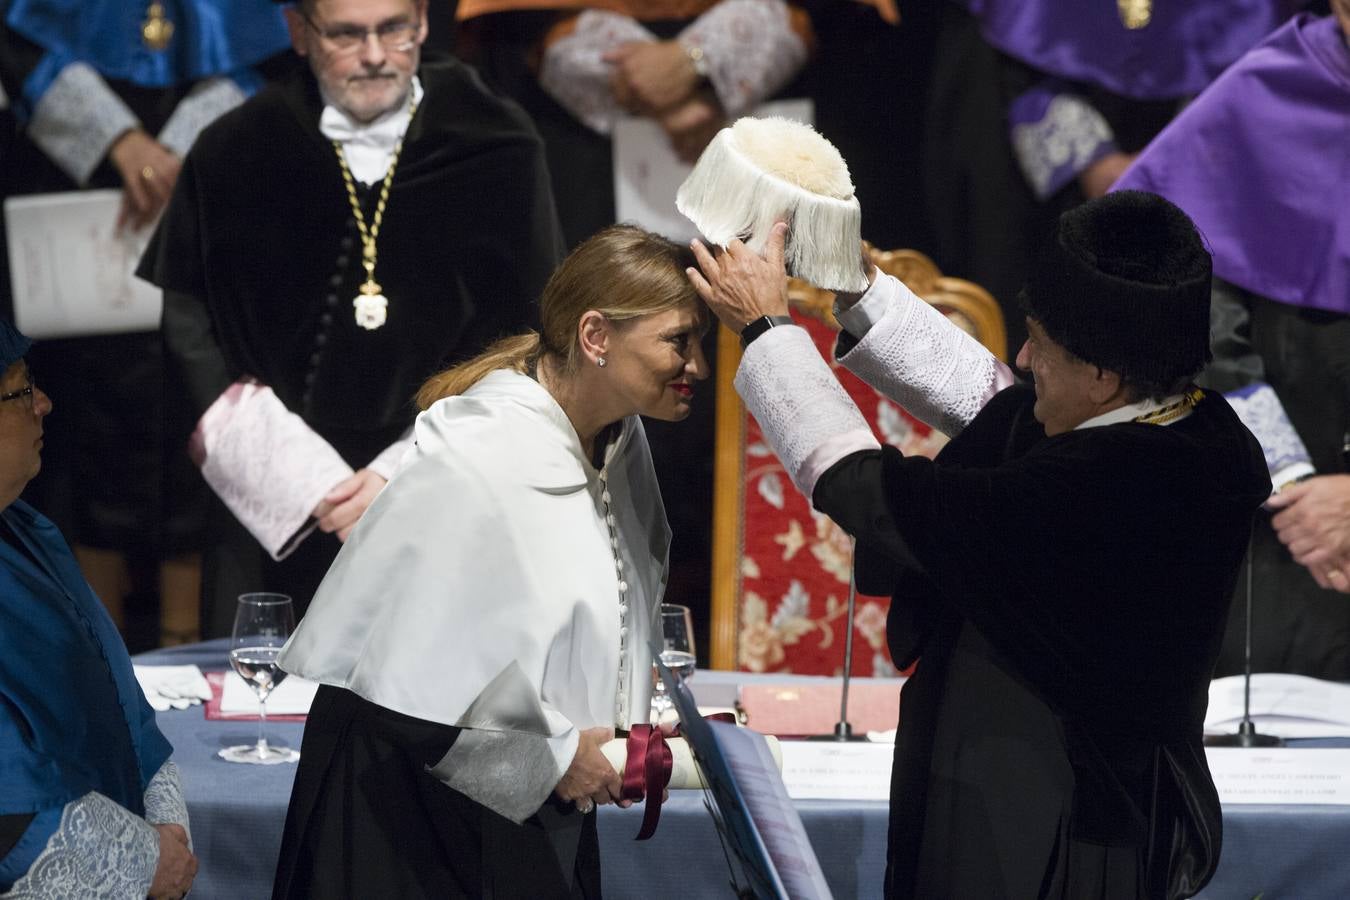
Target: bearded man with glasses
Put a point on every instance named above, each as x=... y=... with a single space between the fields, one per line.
x=331 y=243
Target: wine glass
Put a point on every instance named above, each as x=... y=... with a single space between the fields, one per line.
x=677 y=654
x=262 y=623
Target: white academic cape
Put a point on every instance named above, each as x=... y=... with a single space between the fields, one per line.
x=482 y=588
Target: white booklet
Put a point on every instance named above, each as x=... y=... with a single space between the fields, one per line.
x=647 y=173
x=1280 y=775
x=71 y=271
x=1287 y=706
x=290 y=698
x=832 y=770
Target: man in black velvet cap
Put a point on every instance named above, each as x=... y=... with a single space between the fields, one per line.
x=1061 y=571
x=331 y=243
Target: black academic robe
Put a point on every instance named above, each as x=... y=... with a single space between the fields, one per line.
x=1304 y=354
x=1065 y=598
x=366 y=819
x=151 y=506
x=260 y=257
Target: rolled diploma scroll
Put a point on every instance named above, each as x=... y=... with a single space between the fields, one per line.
x=684 y=772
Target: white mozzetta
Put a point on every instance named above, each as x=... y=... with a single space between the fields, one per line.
x=482 y=589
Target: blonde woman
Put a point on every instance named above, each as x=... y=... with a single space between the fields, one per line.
x=486 y=627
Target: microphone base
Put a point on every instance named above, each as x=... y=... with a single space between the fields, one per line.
x=1247 y=736
x=843 y=733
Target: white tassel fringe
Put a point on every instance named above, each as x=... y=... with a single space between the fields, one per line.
x=728 y=195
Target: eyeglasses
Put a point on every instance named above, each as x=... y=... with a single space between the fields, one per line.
x=398 y=35
x=26 y=393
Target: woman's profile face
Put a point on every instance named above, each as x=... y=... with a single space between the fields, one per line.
x=654 y=361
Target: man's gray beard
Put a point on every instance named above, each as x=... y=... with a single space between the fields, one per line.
x=401 y=102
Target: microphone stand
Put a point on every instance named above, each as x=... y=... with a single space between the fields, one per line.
x=843 y=731
x=1247 y=735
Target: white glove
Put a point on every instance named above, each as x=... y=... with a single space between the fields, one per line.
x=176 y=687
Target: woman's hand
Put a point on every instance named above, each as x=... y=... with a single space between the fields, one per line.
x=740 y=286
x=590 y=780
x=177 y=866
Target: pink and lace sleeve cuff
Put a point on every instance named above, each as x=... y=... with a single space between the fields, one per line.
x=575 y=73
x=269 y=468
x=751 y=49
x=916 y=356
x=803 y=410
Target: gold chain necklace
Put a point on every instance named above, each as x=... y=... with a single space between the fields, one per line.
x=1172 y=411
x=1135 y=14
x=371 y=304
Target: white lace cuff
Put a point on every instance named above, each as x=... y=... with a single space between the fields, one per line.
x=77 y=119
x=510 y=772
x=391 y=458
x=100 y=851
x=1055 y=137
x=207 y=102
x=266 y=465
x=751 y=51
x=1260 y=409
x=575 y=74
x=923 y=361
x=803 y=410
x=164 y=801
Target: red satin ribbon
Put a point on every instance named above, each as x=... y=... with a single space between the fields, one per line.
x=646 y=773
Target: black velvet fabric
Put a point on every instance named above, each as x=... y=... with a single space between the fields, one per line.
x=260 y=229
x=260 y=257
x=1304 y=354
x=366 y=820
x=111 y=395
x=1065 y=598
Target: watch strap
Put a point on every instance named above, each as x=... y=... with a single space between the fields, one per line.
x=761 y=325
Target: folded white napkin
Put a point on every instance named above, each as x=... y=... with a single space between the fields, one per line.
x=176 y=687
x=290 y=698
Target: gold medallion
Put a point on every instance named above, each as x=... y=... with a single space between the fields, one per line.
x=371 y=306
x=156 y=30
x=1135 y=14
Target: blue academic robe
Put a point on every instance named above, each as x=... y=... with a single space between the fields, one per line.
x=72 y=717
x=210 y=38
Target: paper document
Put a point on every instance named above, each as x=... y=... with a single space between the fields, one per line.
x=775 y=818
x=647 y=173
x=1287 y=706
x=1281 y=774
x=829 y=770
x=71 y=273
x=290 y=698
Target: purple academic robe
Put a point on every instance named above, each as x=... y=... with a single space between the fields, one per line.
x=1180 y=50
x=1261 y=162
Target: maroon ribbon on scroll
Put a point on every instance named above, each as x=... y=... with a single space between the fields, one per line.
x=646 y=773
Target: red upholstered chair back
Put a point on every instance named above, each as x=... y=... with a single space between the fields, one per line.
x=781 y=569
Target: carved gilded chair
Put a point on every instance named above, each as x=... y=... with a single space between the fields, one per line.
x=780 y=570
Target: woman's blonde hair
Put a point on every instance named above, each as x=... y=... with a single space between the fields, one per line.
x=622 y=272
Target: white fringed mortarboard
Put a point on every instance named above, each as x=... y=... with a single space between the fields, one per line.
x=759 y=171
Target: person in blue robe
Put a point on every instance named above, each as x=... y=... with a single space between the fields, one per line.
x=90 y=803
x=110 y=95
